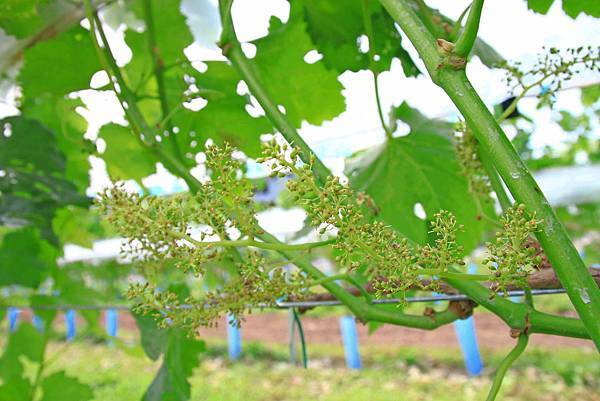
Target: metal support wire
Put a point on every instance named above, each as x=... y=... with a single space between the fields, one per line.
x=299 y=304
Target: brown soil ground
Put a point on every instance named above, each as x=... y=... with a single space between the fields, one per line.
x=492 y=333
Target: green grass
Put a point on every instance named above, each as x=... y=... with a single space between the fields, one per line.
x=122 y=373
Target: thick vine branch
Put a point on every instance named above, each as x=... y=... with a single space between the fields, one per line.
x=573 y=274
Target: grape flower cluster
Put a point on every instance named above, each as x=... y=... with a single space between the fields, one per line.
x=218 y=226
x=551 y=70
x=512 y=257
x=466 y=146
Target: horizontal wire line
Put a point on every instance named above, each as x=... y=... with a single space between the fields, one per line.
x=296 y=304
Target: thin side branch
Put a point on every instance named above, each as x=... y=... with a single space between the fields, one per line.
x=159 y=67
x=467 y=38
x=505 y=364
x=368 y=25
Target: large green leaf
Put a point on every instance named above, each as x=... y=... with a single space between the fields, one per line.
x=75 y=225
x=59 y=114
x=25 y=259
x=43 y=18
x=539 y=6
x=60 y=65
x=171 y=36
x=32 y=183
x=24 y=343
x=154 y=341
x=571 y=7
x=20 y=18
x=308 y=92
x=180 y=357
x=339 y=41
x=59 y=387
x=224 y=118
x=125 y=156
x=420 y=168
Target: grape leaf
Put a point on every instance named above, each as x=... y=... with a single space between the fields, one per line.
x=154 y=341
x=339 y=42
x=590 y=95
x=58 y=387
x=46 y=316
x=180 y=357
x=60 y=65
x=171 y=36
x=420 y=168
x=571 y=7
x=125 y=156
x=224 y=118
x=539 y=6
x=308 y=92
x=171 y=32
x=27 y=343
x=575 y=7
x=42 y=18
x=74 y=225
x=32 y=182
x=59 y=114
x=25 y=259
x=20 y=18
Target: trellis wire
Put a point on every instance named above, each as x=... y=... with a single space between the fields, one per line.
x=299 y=304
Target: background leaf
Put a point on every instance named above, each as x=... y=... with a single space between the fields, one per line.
x=339 y=42
x=420 y=168
x=59 y=66
x=59 y=114
x=59 y=387
x=33 y=182
x=25 y=259
x=26 y=342
x=180 y=357
x=125 y=156
x=308 y=92
x=224 y=118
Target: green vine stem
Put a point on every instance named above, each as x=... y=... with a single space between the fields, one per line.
x=467 y=38
x=343 y=277
x=159 y=68
x=125 y=96
x=368 y=25
x=547 y=323
x=505 y=364
x=458 y=24
x=570 y=269
x=519 y=315
x=298 y=323
x=495 y=180
x=232 y=49
x=513 y=314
